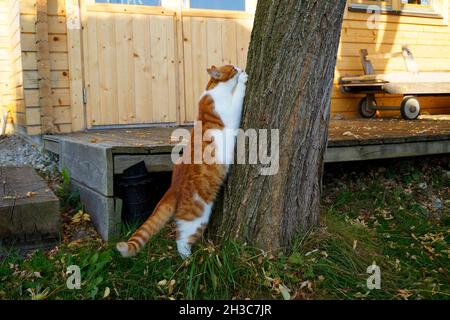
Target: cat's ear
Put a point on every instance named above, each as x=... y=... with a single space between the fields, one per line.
x=214 y=73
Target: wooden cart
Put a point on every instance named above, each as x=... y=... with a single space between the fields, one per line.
x=410 y=84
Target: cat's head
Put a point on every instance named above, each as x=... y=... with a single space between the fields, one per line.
x=222 y=74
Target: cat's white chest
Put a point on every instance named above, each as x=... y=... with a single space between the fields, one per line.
x=230 y=115
x=230 y=112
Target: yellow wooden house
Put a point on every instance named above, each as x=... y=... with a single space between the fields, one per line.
x=72 y=65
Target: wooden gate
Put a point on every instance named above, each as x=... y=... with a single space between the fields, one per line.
x=139 y=70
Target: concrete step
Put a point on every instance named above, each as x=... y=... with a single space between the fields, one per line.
x=29 y=210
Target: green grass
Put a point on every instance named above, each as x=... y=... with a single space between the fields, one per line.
x=368 y=215
x=69 y=198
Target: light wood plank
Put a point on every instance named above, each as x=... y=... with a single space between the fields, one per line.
x=92 y=71
x=188 y=111
x=159 y=70
x=200 y=62
x=107 y=69
x=58 y=79
x=142 y=68
x=229 y=42
x=56 y=24
x=214 y=41
x=77 y=118
x=243 y=33
x=172 y=68
x=43 y=67
x=179 y=47
x=125 y=68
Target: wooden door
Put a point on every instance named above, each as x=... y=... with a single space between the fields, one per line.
x=146 y=65
x=130 y=55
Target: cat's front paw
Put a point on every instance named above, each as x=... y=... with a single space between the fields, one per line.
x=243 y=78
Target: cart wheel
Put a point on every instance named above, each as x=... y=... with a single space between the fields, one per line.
x=367 y=107
x=410 y=108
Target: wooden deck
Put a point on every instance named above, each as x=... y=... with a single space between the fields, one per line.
x=349 y=140
x=363 y=139
x=388 y=131
x=392 y=136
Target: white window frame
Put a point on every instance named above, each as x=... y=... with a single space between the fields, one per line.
x=250 y=6
x=127 y=4
x=437 y=8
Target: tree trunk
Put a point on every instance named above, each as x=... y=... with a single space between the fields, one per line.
x=291 y=65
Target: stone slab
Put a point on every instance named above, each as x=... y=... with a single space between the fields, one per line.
x=29 y=210
x=90 y=164
x=153 y=162
x=104 y=211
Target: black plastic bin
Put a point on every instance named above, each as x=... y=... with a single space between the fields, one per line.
x=135 y=190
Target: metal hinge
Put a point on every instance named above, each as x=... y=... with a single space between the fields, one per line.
x=84 y=95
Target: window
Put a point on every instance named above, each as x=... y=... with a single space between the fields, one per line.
x=417 y=2
x=417 y=5
x=363 y=4
x=412 y=7
x=132 y=2
x=236 y=5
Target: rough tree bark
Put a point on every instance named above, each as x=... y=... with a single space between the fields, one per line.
x=291 y=65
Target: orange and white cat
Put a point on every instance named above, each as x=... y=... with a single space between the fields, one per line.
x=194 y=187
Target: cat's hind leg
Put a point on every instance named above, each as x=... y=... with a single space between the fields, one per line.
x=190 y=231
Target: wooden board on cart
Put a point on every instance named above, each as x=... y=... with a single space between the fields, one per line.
x=401 y=83
x=409 y=84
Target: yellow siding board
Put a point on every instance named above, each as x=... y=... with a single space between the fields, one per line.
x=61 y=97
x=62 y=115
x=55 y=7
x=56 y=24
x=58 y=79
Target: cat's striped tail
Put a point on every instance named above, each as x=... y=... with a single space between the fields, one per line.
x=160 y=216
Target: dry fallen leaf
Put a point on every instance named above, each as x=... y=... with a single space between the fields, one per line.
x=285 y=292
x=404 y=293
x=106 y=293
x=351 y=134
x=171 y=285
x=81 y=216
x=162 y=283
x=38 y=295
x=305 y=284
x=31 y=194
